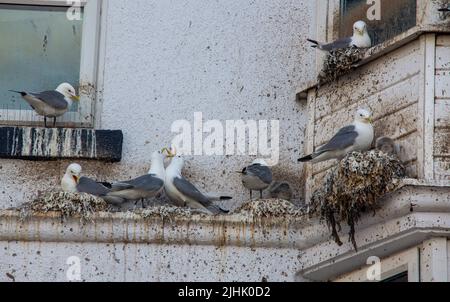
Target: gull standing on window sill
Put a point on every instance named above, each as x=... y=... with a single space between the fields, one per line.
x=360 y=39
x=51 y=104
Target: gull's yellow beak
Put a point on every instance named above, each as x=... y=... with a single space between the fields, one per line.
x=170 y=154
x=370 y=120
x=76 y=178
x=75 y=98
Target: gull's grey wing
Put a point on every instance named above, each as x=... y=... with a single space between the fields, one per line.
x=146 y=183
x=52 y=98
x=338 y=44
x=343 y=139
x=89 y=186
x=189 y=190
x=262 y=172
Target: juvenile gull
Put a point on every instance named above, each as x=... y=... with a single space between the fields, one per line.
x=387 y=145
x=257 y=176
x=52 y=103
x=73 y=182
x=360 y=39
x=143 y=187
x=181 y=191
x=355 y=137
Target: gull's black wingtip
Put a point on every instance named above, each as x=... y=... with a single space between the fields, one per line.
x=22 y=93
x=305 y=159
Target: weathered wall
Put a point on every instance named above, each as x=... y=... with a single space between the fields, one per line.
x=31 y=261
x=165 y=60
x=389 y=87
x=442 y=109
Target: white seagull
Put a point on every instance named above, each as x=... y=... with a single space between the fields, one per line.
x=51 y=104
x=257 y=176
x=181 y=191
x=144 y=187
x=73 y=182
x=355 y=137
x=360 y=39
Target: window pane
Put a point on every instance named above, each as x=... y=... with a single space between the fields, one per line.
x=39 y=49
x=397 y=16
x=402 y=277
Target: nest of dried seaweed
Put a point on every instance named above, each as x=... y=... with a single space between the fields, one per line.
x=67 y=204
x=270 y=208
x=339 y=62
x=355 y=186
x=165 y=212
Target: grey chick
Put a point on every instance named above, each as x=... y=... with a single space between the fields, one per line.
x=281 y=190
x=387 y=145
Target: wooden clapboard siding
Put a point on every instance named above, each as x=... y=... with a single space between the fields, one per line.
x=370 y=79
x=442 y=109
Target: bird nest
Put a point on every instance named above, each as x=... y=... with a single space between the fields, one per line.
x=270 y=208
x=355 y=186
x=67 y=204
x=165 y=212
x=339 y=62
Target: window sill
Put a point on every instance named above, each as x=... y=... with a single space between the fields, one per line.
x=379 y=51
x=30 y=143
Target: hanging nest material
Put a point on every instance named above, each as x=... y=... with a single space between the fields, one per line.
x=354 y=187
x=67 y=204
x=340 y=62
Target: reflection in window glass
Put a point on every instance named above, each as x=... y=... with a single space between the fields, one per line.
x=39 y=49
x=397 y=16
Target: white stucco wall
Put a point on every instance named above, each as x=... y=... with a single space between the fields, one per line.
x=165 y=60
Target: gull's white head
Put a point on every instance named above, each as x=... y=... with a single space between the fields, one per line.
x=360 y=28
x=68 y=91
x=157 y=167
x=364 y=116
x=70 y=180
x=260 y=161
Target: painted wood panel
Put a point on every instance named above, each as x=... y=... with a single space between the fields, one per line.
x=370 y=79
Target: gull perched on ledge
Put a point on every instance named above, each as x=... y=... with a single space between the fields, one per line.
x=181 y=191
x=355 y=137
x=360 y=39
x=145 y=186
x=257 y=176
x=52 y=103
x=73 y=182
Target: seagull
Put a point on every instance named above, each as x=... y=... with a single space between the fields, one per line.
x=387 y=145
x=257 y=176
x=146 y=186
x=73 y=182
x=53 y=103
x=360 y=39
x=281 y=190
x=181 y=191
x=355 y=137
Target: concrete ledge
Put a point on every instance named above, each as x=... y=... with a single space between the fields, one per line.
x=60 y=143
x=417 y=211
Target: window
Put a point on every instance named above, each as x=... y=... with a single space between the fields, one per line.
x=42 y=47
x=393 y=18
x=402 y=267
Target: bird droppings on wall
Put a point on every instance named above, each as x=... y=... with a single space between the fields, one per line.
x=82 y=205
x=62 y=143
x=339 y=62
x=355 y=186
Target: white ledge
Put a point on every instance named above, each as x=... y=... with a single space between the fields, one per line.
x=416 y=210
